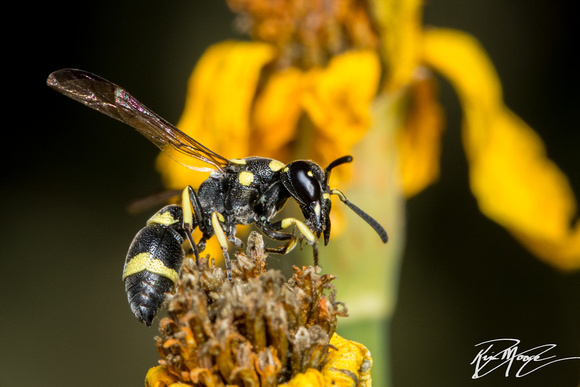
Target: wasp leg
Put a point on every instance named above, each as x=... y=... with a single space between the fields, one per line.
x=191 y=207
x=201 y=243
x=193 y=200
x=279 y=236
x=271 y=230
x=275 y=234
x=285 y=248
x=216 y=220
x=304 y=230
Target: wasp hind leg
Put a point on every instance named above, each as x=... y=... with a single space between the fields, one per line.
x=192 y=217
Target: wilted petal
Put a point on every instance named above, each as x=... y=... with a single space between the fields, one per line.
x=520 y=188
x=218 y=105
x=276 y=112
x=159 y=377
x=338 y=101
x=399 y=23
x=348 y=365
x=514 y=182
x=310 y=378
x=419 y=140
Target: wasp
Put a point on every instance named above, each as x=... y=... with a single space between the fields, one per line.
x=249 y=190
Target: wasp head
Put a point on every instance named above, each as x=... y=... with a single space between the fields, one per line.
x=307 y=183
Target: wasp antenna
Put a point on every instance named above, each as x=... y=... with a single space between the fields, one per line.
x=366 y=217
x=335 y=163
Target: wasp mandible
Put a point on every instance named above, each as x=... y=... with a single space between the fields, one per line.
x=249 y=190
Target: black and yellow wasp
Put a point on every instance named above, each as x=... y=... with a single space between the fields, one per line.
x=250 y=190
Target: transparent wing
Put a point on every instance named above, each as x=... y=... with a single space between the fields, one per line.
x=114 y=101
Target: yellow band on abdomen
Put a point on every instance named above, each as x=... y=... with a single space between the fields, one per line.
x=144 y=261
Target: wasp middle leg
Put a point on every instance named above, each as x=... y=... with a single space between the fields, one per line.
x=216 y=220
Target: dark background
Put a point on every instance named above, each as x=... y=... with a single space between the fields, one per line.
x=69 y=173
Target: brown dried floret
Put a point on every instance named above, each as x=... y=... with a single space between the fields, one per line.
x=307 y=32
x=258 y=330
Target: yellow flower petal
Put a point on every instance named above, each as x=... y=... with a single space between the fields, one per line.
x=276 y=112
x=338 y=101
x=350 y=360
x=399 y=23
x=514 y=182
x=348 y=364
x=310 y=378
x=218 y=105
x=159 y=377
x=520 y=188
x=419 y=140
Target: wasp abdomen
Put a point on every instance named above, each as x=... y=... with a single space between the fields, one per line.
x=153 y=263
x=146 y=293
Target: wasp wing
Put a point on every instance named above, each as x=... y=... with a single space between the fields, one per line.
x=159 y=198
x=114 y=101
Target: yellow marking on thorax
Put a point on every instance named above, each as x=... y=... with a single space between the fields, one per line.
x=238 y=161
x=246 y=178
x=275 y=165
x=164 y=218
x=144 y=261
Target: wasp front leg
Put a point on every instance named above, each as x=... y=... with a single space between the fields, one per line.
x=272 y=231
x=153 y=262
x=279 y=236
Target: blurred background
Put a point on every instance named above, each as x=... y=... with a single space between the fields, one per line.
x=70 y=172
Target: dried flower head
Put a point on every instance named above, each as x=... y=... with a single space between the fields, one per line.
x=257 y=330
x=307 y=32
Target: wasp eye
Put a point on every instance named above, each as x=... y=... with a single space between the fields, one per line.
x=306 y=186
